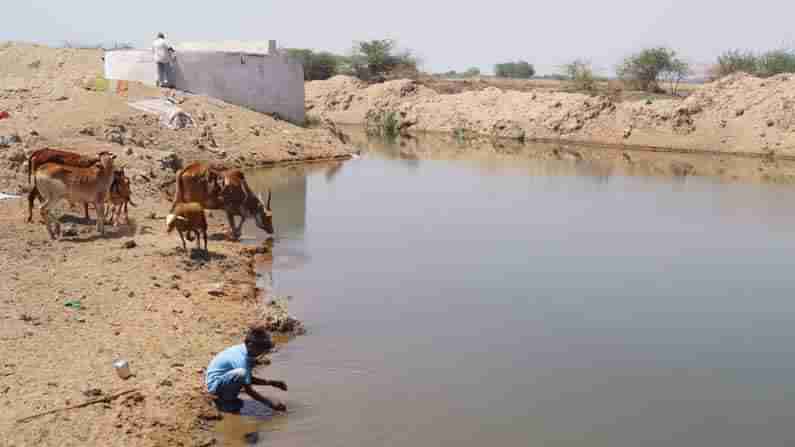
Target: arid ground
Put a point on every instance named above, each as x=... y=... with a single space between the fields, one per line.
x=140 y=296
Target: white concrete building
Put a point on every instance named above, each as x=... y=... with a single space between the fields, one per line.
x=267 y=82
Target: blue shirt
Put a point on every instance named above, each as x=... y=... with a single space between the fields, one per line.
x=225 y=361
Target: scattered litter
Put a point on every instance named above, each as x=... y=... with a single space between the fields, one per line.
x=177 y=120
x=73 y=304
x=171 y=116
x=4 y=115
x=122 y=369
x=8 y=140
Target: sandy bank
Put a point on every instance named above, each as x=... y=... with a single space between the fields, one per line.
x=739 y=113
x=150 y=304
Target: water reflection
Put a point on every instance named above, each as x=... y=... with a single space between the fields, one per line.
x=565 y=159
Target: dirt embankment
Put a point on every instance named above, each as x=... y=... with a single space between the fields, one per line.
x=69 y=308
x=739 y=113
x=52 y=98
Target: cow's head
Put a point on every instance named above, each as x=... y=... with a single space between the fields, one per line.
x=263 y=215
x=106 y=161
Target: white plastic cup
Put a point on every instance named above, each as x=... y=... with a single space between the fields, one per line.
x=122 y=369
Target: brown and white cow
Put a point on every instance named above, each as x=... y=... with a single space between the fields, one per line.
x=216 y=188
x=56 y=182
x=48 y=155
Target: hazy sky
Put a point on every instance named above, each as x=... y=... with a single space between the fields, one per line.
x=446 y=34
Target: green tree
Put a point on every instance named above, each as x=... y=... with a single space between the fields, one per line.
x=317 y=66
x=734 y=61
x=650 y=65
x=377 y=59
x=518 y=70
x=472 y=72
x=776 y=62
x=581 y=74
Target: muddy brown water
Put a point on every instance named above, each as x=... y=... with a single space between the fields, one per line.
x=469 y=298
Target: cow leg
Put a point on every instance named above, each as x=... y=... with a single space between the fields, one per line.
x=31 y=199
x=45 y=217
x=239 y=230
x=182 y=238
x=231 y=218
x=115 y=215
x=100 y=206
x=206 y=250
x=126 y=214
x=85 y=207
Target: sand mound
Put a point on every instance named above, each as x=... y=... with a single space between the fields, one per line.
x=53 y=97
x=739 y=113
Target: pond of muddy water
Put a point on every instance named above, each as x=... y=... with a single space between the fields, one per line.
x=522 y=297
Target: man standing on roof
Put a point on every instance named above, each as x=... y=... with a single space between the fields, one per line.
x=162 y=53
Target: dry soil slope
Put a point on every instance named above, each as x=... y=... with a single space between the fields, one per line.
x=739 y=113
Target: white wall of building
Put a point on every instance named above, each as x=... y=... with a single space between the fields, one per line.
x=265 y=83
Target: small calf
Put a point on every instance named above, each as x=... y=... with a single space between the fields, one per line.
x=120 y=196
x=188 y=218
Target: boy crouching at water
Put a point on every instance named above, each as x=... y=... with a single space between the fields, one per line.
x=230 y=372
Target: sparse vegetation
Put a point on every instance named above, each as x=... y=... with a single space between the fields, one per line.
x=317 y=66
x=383 y=123
x=776 y=62
x=97 y=46
x=516 y=70
x=734 y=61
x=377 y=60
x=581 y=74
x=472 y=72
x=650 y=66
x=763 y=65
x=391 y=125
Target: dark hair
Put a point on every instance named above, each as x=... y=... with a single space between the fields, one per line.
x=258 y=335
x=161 y=36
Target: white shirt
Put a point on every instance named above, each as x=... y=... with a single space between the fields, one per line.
x=160 y=50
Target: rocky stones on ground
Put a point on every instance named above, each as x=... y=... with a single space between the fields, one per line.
x=70 y=230
x=129 y=244
x=93 y=393
x=17 y=156
x=278 y=320
x=170 y=161
x=682 y=169
x=216 y=289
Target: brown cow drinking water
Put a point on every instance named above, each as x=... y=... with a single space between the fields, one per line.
x=56 y=182
x=223 y=189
